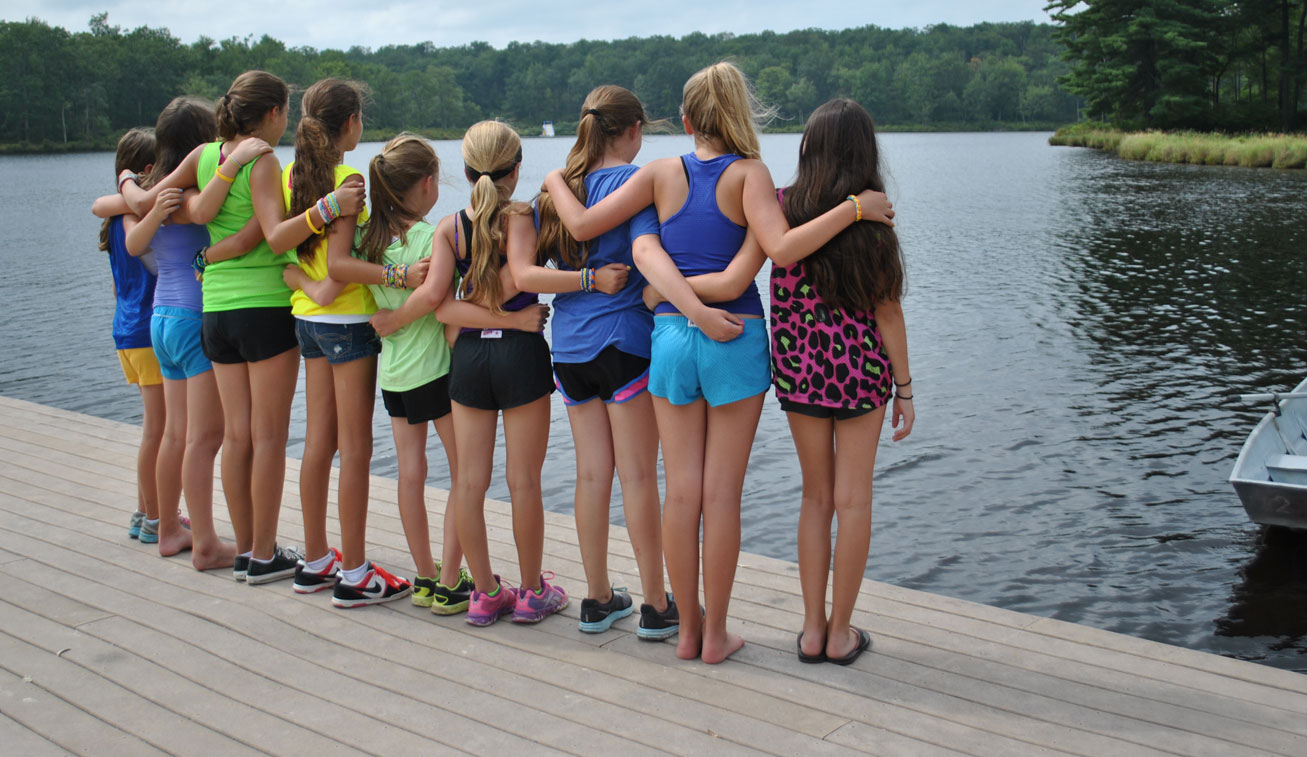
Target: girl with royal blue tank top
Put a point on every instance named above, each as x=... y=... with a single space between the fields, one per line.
x=193 y=424
x=601 y=343
x=709 y=366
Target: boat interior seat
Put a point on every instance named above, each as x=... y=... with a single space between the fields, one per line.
x=1287 y=469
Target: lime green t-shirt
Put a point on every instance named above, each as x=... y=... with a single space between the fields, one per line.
x=418 y=353
x=252 y=280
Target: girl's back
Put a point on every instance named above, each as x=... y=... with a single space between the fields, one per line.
x=174 y=248
x=418 y=351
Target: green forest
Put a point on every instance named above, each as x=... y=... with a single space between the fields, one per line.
x=61 y=89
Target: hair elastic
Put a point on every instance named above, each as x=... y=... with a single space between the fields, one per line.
x=473 y=175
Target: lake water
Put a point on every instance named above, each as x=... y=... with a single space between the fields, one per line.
x=1077 y=326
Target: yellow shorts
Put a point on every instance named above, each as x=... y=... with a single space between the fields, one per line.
x=140 y=366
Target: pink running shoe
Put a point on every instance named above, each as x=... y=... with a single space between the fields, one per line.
x=533 y=608
x=486 y=609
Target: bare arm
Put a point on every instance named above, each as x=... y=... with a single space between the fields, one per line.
x=786 y=246
x=182 y=177
x=662 y=273
x=894 y=335
x=108 y=206
x=461 y=313
x=432 y=292
x=724 y=286
x=141 y=230
x=284 y=234
x=587 y=223
x=237 y=244
x=143 y=236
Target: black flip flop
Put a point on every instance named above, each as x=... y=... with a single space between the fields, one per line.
x=811 y=659
x=864 y=641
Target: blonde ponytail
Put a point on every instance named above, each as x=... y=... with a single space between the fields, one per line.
x=720 y=104
x=491 y=151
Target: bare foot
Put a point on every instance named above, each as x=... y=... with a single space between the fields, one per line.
x=842 y=644
x=221 y=555
x=688 y=643
x=715 y=652
x=177 y=541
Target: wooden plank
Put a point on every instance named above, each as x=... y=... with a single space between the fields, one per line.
x=19 y=739
x=28 y=702
x=879 y=741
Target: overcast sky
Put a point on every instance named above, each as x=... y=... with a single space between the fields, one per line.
x=374 y=23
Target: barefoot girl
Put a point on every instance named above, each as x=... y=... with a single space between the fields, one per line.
x=844 y=297
x=193 y=426
x=601 y=338
x=340 y=356
x=133 y=288
x=709 y=365
x=494 y=370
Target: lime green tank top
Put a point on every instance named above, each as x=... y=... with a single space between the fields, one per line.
x=354 y=299
x=252 y=280
x=418 y=353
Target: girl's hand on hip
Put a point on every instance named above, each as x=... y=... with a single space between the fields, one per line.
x=719 y=325
x=383 y=322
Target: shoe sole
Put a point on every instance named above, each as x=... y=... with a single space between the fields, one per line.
x=486 y=620
x=267 y=578
x=537 y=617
x=422 y=601
x=348 y=603
x=657 y=634
x=149 y=538
x=607 y=623
x=238 y=575
x=302 y=589
x=454 y=609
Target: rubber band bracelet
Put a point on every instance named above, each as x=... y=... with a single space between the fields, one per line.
x=218 y=172
x=905 y=383
x=309 y=220
x=857 y=204
x=901 y=397
x=125 y=179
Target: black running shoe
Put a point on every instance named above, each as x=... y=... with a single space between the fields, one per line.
x=282 y=565
x=240 y=567
x=597 y=617
x=451 y=600
x=656 y=626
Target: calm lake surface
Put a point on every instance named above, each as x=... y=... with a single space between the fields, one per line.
x=1077 y=326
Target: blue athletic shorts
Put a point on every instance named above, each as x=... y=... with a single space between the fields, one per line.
x=175 y=333
x=686 y=365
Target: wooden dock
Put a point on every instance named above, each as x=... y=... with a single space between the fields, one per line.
x=105 y=648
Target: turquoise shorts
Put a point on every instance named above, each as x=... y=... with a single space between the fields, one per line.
x=175 y=333
x=686 y=365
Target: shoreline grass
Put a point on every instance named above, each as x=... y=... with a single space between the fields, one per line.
x=1285 y=151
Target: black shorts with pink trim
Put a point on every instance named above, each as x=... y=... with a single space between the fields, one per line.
x=613 y=376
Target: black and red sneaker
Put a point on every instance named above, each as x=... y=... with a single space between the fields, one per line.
x=377 y=586
x=308 y=581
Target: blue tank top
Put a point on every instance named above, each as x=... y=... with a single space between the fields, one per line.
x=134 y=292
x=701 y=239
x=514 y=303
x=174 y=248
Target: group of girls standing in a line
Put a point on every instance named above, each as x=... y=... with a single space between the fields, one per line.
x=656 y=317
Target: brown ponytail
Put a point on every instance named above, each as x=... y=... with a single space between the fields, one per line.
x=403 y=162
x=327 y=106
x=135 y=151
x=248 y=100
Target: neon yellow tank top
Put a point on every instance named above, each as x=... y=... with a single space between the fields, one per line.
x=355 y=299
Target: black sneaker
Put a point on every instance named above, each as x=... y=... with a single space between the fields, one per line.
x=451 y=600
x=308 y=582
x=656 y=626
x=240 y=567
x=597 y=617
x=282 y=565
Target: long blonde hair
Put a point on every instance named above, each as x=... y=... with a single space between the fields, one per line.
x=404 y=161
x=491 y=150
x=608 y=111
x=720 y=104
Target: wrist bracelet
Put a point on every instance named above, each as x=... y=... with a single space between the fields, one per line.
x=218 y=172
x=200 y=261
x=309 y=220
x=125 y=179
x=857 y=204
x=901 y=397
x=395 y=276
x=905 y=383
x=587 y=279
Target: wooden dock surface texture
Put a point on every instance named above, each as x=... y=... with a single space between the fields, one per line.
x=106 y=648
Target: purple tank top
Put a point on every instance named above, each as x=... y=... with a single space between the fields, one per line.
x=174 y=248
x=700 y=238
x=514 y=303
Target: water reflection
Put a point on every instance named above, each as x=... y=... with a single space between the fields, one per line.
x=1270 y=601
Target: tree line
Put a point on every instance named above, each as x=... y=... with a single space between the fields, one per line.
x=59 y=87
x=1233 y=65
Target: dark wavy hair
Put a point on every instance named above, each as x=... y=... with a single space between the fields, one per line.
x=184 y=124
x=327 y=106
x=863 y=265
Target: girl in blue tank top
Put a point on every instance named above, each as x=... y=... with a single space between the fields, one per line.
x=710 y=365
x=601 y=344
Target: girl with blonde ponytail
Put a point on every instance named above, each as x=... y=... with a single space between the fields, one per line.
x=496 y=370
x=709 y=365
x=601 y=338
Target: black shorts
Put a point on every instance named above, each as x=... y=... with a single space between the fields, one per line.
x=247 y=335
x=421 y=404
x=613 y=376
x=821 y=411
x=498 y=373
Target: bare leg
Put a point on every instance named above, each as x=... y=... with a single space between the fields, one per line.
x=237 y=449
x=168 y=471
x=594 y=488
x=319 y=449
x=203 y=437
x=147 y=455
x=855 y=458
x=451 y=556
x=271 y=387
x=635 y=449
x=411 y=452
x=356 y=393
x=683 y=429
x=726 y=454
x=814 y=441
x=526 y=439
x=474 y=433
